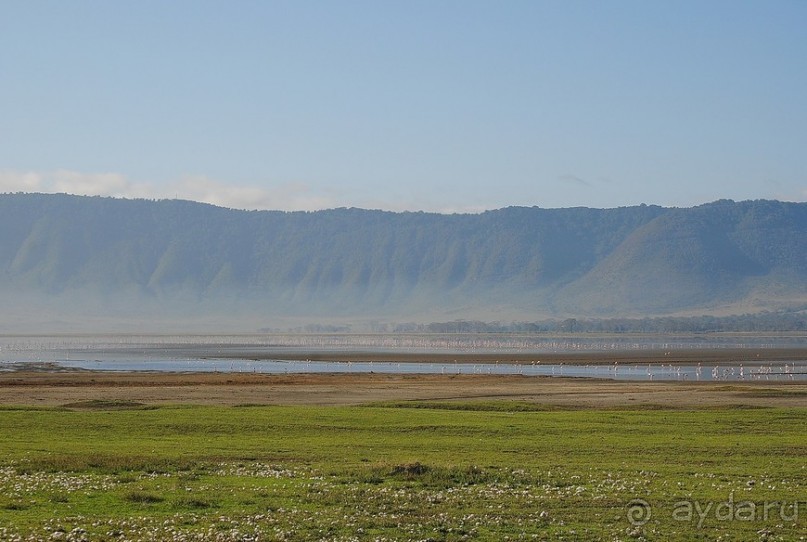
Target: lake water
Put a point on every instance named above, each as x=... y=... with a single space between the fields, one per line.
x=695 y=372
x=199 y=354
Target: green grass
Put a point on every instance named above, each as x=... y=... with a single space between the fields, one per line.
x=462 y=471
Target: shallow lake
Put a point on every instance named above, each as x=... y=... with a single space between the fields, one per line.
x=199 y=354
x=648 y=372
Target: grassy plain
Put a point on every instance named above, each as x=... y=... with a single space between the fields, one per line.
x=408 y=470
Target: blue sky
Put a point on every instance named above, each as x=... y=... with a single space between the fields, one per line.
x=436 y=105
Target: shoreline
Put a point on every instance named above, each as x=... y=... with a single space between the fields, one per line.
x=632 y=357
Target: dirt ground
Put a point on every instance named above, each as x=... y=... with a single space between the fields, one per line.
x=49 y=388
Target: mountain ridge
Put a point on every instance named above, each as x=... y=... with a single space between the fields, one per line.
x=178 y=259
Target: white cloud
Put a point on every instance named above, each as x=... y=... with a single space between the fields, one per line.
x=285 y=197
x=292 y=196
x=797 y=195
x=93 y=184
x=12 y=181
x=802 y=196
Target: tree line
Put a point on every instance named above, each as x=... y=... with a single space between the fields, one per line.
x=758 y=322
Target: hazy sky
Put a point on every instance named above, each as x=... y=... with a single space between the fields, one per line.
x=435 y=105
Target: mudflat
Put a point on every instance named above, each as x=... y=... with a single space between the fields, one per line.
x=53 y=388
x=583 y=357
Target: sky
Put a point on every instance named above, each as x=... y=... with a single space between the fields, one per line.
x=438 y=105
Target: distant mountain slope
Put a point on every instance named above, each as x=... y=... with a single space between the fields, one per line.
x=177 y=256
x=723 y=253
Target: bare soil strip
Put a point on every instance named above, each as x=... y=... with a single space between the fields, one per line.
x=60 y=388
